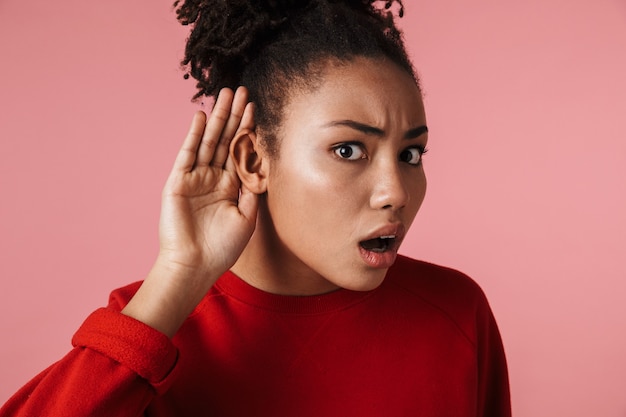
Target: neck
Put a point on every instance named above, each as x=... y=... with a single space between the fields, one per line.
x=267 y=264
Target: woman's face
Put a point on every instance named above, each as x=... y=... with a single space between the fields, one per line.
x=348 y=179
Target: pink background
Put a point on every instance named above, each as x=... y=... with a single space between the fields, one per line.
x=527 y=110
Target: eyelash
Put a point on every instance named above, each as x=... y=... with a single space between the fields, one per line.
x=422 y=150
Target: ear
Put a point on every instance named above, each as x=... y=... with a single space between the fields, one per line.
x=250 y=160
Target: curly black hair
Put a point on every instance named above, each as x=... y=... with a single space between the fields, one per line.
x=270 y=46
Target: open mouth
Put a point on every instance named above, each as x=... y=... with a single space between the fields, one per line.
x=379 y=244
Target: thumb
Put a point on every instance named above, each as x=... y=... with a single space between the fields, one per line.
x=248 y=204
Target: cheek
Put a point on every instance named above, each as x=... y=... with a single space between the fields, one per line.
x=418 y=191
x=311 y=176
x=308 y=190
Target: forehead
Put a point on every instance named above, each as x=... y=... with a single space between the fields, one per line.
x=374 y=91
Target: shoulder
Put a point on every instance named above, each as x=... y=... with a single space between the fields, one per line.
x=430 y=280
x=448 y=291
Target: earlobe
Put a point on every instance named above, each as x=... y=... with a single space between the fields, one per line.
x=248 y=160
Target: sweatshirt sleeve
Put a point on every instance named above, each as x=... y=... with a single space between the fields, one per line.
x=117 y=366
x=494 y=398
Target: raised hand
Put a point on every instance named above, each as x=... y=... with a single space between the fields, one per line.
x=207 y=217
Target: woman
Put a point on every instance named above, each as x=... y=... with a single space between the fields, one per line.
x=278 y=290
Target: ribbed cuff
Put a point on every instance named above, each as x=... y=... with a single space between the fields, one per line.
x=132 y=343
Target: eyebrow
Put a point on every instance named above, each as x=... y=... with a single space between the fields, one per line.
x=371 y=130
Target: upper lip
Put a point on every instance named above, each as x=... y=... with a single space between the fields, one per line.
x=395 y=230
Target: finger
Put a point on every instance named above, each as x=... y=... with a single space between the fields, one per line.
x=214 y=127
x=247 y=122
x=234 y=120
x=248 y=204
x=186 y=158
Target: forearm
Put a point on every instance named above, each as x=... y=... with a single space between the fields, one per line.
x=118 y=365
x=168 y=295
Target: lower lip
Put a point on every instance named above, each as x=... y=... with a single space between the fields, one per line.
x=378 y=259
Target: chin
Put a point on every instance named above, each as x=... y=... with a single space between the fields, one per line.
x=364 y=282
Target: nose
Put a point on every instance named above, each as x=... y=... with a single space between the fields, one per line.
x=390 y=189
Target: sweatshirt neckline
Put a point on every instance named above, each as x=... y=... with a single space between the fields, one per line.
x=232 y=285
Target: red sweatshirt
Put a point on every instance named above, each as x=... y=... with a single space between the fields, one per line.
x=422 y=344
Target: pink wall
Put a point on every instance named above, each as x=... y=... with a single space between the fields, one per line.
x=527 y=170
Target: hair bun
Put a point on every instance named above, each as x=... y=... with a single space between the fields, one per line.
x=283 y=4
x=227 y=35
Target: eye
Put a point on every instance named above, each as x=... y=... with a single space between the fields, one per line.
x=349 y=151
x=412 y=156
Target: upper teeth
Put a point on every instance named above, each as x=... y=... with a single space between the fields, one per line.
x=388 y=237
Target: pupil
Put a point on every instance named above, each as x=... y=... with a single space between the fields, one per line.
x=346 y=152
x=405 y=156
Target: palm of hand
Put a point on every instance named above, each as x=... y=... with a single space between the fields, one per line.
x=207 y=218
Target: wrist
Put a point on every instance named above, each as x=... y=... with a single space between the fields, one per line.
x=170 y=292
